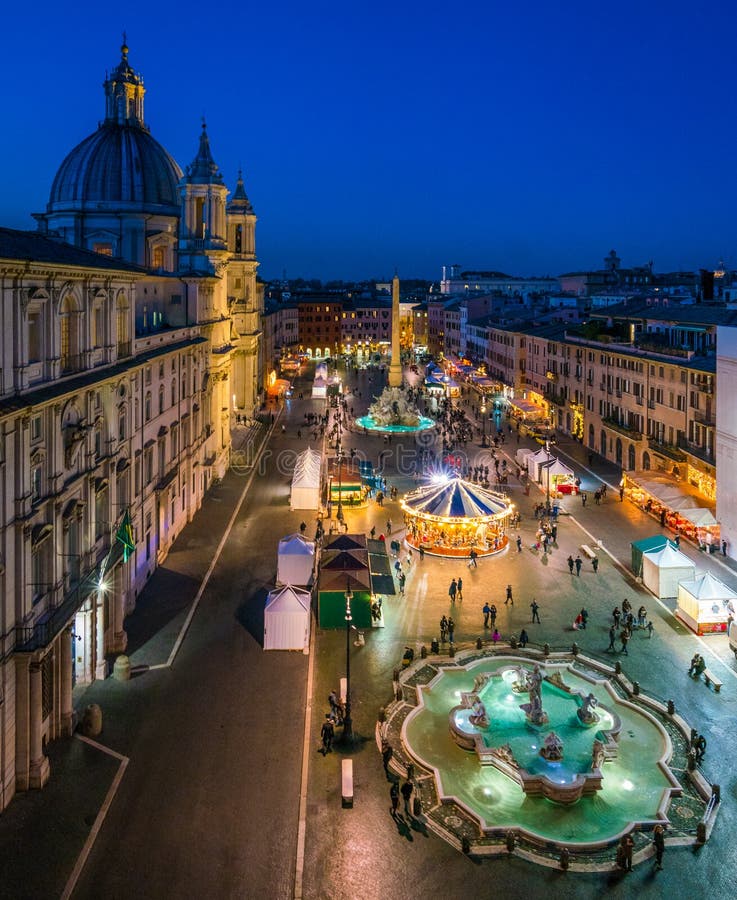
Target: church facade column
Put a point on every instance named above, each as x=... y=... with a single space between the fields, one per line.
x=65 y=682
x=100 y=665
x=39 y=769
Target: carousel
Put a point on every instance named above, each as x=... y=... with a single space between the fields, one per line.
x=452 y=517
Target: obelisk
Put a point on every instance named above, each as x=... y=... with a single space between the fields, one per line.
x=395 y=368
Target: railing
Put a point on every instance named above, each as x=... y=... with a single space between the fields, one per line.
x=666 y=450
x=622 y=428
x=125 y=348
x=71 y=363
x=704 y=453
x=704 y=417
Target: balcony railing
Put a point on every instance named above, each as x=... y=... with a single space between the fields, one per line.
x=666 y=450
x=125 y=348
x=623 y=428
x=706 y=454
x=71 y=363
x=704 y=417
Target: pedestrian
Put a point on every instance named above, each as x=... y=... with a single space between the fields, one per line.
x=303 y=527
x=327 y=732
x=659 y=844
x=523 y=638
x=621 y=495
x=492 y=615
x=616 y=616
x=459 y=589
x=487 y=612
x=451 y=629
x=570 y=564
x=402 y=582
x=584 y=617
x=624 y=638
x=612 y=636
x=535 y=611
x=519 y=544
x=496 y=637
x=373 y=532
x=443 y=629
x=627 y=845
x=583 y=499
x=700 y=748
x=452 y=590
x=554 y=534
x=579 y=563
x=472 y=559
x=407 y=789
x=334 y=703
x=386 y=755
x=388 y=526
x=510 y=598
x=595 y=564
x=650 y=628
x=422 y=552
x=394 y=795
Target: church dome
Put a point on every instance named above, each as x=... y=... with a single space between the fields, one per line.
x=119 y=163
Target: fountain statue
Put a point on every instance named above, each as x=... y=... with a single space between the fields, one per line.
x=586 y=713
x=597 y=755
x=552 y=748
x=394 y=407
x=480 y=681
x=479 y=717
x=534 y=711
x=519 y=686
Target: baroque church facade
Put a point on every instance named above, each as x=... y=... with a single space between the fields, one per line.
x=131 y=339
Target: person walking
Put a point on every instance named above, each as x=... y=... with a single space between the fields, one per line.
x=659 y=844
x=487 y=612
x=612 y=637
x=616 y=616
x=510 y=598
x=459 y=589
x=472 y=559
x=407 y=789
x=535 y=611
x=388 y=526
x=595 y=564
x=624 y=638
x=579 y=563
x=422 y=552
x=570 y=564
x=583 y=499
x=386 y=755
x=443 y=629
x=451 y=629
x=327 y=733
x=394 y=795
x=496 y=637
x=492 y=615
x=584 y=617
x=650 y=628
x=628 y=845
x=523 y=638
x=452 y=590
x=373 y=532
x=519 y=544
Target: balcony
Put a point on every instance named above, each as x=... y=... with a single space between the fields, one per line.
x=622 y=428
x=666 y=450
x=555 y=399
x=705 y=454
x=71 y=363
x=704 y=417
x=125 y=348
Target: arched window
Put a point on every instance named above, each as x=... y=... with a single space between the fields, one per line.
x=147 y=407
x=618 y=451
x=592 y=437
x=184 y=387
x=631 y=458
x=161 y=399
x=173 y=392
x=69 y=336
x=602 y=444
x=122 y=327
x=646 y=461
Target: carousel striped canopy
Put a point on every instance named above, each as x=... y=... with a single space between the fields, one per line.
x=454 y=499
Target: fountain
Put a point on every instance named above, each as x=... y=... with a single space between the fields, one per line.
x=575 y=766
x=394 y=411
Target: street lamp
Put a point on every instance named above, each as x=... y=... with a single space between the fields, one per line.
x=340 y=484
x=347 y=720
x=547 y=477
x=483 y=423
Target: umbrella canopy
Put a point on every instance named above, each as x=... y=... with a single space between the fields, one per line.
x=454 y=499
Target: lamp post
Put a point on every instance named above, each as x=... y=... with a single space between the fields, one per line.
x=483 y=423
x=547 y=478
x=339 y=514
x=347 y=720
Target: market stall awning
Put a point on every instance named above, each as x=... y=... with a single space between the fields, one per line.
x=525 y=406
x=699 y=517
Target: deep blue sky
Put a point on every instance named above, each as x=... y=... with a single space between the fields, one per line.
x=531 y=138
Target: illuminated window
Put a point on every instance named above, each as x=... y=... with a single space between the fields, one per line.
x=159 y=258
x=34 y=337
x=104 y=249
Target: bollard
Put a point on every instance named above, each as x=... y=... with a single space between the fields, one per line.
x=511 y=841
x=451 y=650
x=691 y=760
x=716 y=793
x=574 y=648
x=122 y=668
x=636 y=688
x=513 y=643
x=465 y=845
x=671 y=708
x=546 y=649
x=395 y=675
x=565 y=858
x=423 y=652
x=479 y=643
x=91 y=721
x=701 y=833
x=382 y=714
x=434 y=646
x=617 y=668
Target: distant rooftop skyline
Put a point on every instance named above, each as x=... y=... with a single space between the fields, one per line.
x=528 y=140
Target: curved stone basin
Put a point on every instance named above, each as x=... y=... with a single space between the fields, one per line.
x=369 y=424
x=636 y=787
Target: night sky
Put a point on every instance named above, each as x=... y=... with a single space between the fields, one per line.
x=529 y=138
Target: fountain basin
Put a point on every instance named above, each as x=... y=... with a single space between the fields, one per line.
x=369 y=424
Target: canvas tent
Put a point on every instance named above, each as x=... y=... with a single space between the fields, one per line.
x=705 y=604
x=557 y=471
x=522 y=456
x=305 y=493
x=648 y=545
x=536 y=461
x=287 y=620
x=331 y=598
x=295 y=560
x=663 y=569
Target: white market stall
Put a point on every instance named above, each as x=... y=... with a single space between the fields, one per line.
x=561 y=477
x=306 y=482
x=705 y=604
x=287 y=619
x=319 y=388
x=663 y=569
x=295 y=560
x=522 y=456
x=537 y=461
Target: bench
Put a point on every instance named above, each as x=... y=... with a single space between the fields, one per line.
x=343 y=690
x=587 y=551
x=710 y=678
x=346 y=780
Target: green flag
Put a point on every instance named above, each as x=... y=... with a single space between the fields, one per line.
x=125 y=535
